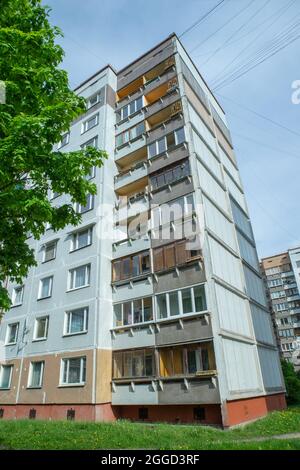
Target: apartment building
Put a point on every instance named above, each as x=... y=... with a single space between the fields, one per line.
x=281 y=273
x=154 y=307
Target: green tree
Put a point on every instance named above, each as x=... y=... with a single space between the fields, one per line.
x=292 y=382
x=39 y=108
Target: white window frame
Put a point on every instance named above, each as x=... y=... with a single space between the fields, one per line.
x=42 y=338
x=85 y=322
x=61 y=144
x=75 y=237
x=65 y=363
x=14 y=296
x=41 y=287
x=87 y=277
x=132 y=312
x=9 y=326
x=29 y=385
x=128 y=108
x=54 y=242
x=84 y=125
x=180 y=303
x=88 y=101
x=11 y=366
x=90 y=204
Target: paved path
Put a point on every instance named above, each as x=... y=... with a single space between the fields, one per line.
x=293 y=435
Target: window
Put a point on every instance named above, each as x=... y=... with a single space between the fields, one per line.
x=166 y=143
x=281 y=307
x=278 y=294
x=35 y=377
x=185 y=301
x=79 y=277
x=184 y=360
x=93 y=100
x=6 y=376
x=172 y=255
x=271 y=271
x=133 y=364
x=81 y=239
x=41 y=328
x=131 y=266
x=49 y=251
x=133 y=312
x=65 y=139
x=90 y=123
x=17 y=295
x=73 y=371
x=89 y=205
x=131 y=108
x=12 y=333
x=76 y=321
x=91 y=143
x=170 y=175
x=275 y=283
x=179 y=136
x=45 y=287
x=130 y=134
x=173 y=210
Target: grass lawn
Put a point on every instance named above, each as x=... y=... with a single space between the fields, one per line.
x=126 y=435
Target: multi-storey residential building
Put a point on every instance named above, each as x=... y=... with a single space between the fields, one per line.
x=281 y=275
x=169 y=320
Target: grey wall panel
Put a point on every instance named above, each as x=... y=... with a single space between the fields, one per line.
x=188 y=276
x=192 y=330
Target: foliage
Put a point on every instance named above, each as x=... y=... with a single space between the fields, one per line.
x=292 y=382
x=39 y=108
x=126 y=435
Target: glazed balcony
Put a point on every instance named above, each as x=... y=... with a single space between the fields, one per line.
x=128 y=207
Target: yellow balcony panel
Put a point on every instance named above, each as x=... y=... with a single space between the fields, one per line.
x=133 y=187
x=130 y=159
x=131 y=88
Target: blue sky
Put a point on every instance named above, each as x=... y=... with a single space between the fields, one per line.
x=116 y=32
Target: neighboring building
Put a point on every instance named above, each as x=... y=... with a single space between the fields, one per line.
x=282 y=279
x=179 y=329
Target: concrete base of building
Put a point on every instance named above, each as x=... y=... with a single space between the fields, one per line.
x=77 y=412
x=232 y=413
x=249 y=409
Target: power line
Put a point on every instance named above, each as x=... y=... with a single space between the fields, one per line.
x=260 y=115
x=278 y=12
x=263 y=144
x=257 y=64
x=236 y=31
x=278 y=15
x=223 y=26
x=200 y=20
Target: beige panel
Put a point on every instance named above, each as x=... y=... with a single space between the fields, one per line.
x=275 y=261
x=228 y=149
x=201 y=110
x=51 y=392
x=103 y=374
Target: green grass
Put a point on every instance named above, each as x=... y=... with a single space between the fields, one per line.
x=126 y=435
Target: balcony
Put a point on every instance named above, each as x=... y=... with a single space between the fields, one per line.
x=153 y=112
x=146 y=72
x=128 y=246
x=125 y=181
x=148 y=84
x=133 y=337
x=134 y=205
x=130 y=147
